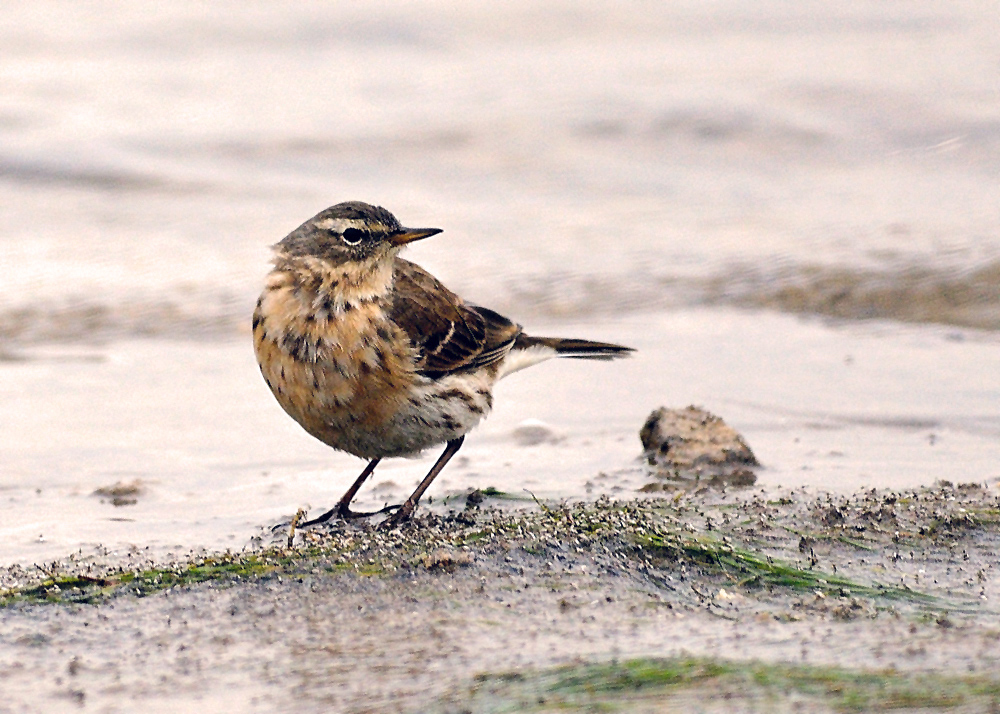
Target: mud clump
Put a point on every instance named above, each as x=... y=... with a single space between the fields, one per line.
x=695 y=444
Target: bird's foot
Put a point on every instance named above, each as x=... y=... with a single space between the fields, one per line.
x=347 y=514
x=344 y=512
x=341 y=511
x=401 y=516
x=320 y=519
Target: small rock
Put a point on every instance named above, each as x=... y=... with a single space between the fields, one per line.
x=693 y=443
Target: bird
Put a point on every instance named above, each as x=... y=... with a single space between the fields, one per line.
x=373 y=356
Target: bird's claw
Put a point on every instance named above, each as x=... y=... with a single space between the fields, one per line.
x=347 y=514
x=398 y=518
x=343 y=512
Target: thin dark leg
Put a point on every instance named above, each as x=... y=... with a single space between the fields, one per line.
x=342 y=509
x=343 y=506
x=406 y=510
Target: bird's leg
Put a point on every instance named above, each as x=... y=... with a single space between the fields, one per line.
x=406 y=510
x=343 y=507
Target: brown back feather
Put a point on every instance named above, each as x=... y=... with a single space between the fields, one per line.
x=450 y=335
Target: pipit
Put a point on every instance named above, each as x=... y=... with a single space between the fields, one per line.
x=373 y=356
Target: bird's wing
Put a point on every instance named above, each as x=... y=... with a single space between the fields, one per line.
x=449 y=335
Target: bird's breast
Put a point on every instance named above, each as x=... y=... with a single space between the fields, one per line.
x=336 y=364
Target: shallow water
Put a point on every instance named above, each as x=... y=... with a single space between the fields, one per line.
x=598 y=172
x=580 y=159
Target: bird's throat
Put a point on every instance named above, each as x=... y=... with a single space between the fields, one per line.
x=319 y=280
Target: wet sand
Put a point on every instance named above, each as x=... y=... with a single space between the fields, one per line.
x=192 y=426
x=357 y=620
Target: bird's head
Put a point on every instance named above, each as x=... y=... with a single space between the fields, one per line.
x=351 y=232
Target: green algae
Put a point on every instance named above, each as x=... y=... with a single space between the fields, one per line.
x=656 y=539
x=668 y=684
x=747 y=569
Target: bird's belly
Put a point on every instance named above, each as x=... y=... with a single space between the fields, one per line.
x=373 y=411
x=437 y=411
x=433 y=412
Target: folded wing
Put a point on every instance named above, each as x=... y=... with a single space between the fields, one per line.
x=449 y=335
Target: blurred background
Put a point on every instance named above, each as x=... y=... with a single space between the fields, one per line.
x=581 y=158
x=672 y=175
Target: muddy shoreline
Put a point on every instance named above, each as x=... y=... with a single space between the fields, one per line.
x=427 y=618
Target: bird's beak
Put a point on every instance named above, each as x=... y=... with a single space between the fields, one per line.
x=408 y=235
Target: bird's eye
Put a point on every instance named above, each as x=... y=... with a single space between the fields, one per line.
x=352 y=236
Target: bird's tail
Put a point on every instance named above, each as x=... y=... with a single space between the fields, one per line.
x=528 y=350
x=577 y=349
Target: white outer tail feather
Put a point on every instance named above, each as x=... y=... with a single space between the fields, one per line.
x=518 y=359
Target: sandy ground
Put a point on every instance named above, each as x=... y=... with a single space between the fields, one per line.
x=837 y=407
x=846 y=406
x=366 y=621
